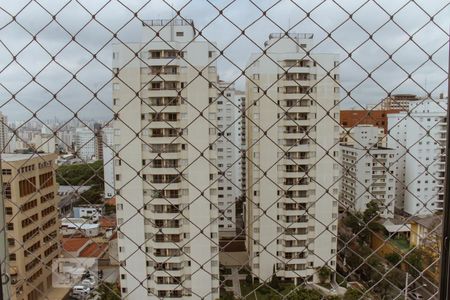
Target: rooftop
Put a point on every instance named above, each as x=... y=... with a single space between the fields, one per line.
x=20 y=156
x=297 y=36
x=164 y=22
x=74 y=243
x=94 y=250
x=393 y=226
x=433 y=222
x=65 y=189
x=108 y=222
x=111 y=201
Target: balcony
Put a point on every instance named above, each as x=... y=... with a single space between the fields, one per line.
x=163 y=70
x=165 y=148
x=164 y=101
x=167 y=224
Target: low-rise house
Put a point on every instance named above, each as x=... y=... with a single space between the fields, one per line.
x=79 y=226
x=426 y=233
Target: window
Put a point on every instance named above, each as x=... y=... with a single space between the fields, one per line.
x=180 y=33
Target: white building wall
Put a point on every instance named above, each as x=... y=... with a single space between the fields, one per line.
x=269 y=135
x=228 y=157
x=85 y=143
x=364 y=136
x=419 y=140
x=367 y=177
x=108 y=161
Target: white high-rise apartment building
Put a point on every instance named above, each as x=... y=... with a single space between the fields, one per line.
x=364 y=136
x=419 y=137
x=85 y=143
x=292 y=182
x=166 y=174
x=108 y=161
x=228 y=157
x=367 y=167
x=241 y=101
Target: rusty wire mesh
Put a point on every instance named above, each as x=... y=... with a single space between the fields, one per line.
x=235 y=149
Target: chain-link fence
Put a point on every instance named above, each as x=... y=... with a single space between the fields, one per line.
x=223 y=149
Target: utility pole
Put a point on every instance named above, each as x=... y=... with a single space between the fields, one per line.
x=406 y=286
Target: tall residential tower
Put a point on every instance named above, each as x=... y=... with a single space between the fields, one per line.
x=166 y=175
x=292 y=159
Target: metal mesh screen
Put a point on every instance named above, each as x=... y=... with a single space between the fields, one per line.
x=223 y=149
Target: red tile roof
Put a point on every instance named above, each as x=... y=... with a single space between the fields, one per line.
x=94 y=250
x=108 y=222
x=111 y=201
x=74 y=243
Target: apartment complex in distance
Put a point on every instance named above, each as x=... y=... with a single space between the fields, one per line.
x=4 y=133
x=367 y=166
x=398 y=101
x=166 y=175
x=31 y=211
x=291 y=184
x=419 y=136
x=228 y=157
x=376 y=117
x=364 y=136
x=85 y=143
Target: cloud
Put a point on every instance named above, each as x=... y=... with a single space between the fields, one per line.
x=94 y=36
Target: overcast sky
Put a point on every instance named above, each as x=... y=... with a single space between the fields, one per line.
x=94 y=74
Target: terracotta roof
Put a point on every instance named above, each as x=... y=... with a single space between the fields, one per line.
x=74 y=244
x=111 y=201
x=108 y=222
x=94 y=250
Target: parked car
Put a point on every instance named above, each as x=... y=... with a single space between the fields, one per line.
x=415 y=296
x=80 y=291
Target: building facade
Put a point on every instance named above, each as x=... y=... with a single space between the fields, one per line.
x=364 y=136
x=173 y=198
x=31 y=210
x=85 y=143
x=108 y=161
x=376 y=117
x=366 y=178
x=419 y=136
x=292 y=187
x=4 y=136
x=398 y=101
x=228 y=157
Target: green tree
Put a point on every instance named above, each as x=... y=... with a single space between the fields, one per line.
x=84 y=175
x=275 y=281
x=305 y=294
x=352 y=294
x=414 y=261
x=324 y=274
x=81 y=174
x=394 y=258
x=372 y=211
x=248 y=279
x=107 y=291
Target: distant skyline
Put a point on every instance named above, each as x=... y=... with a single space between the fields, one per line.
x=70 y=57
